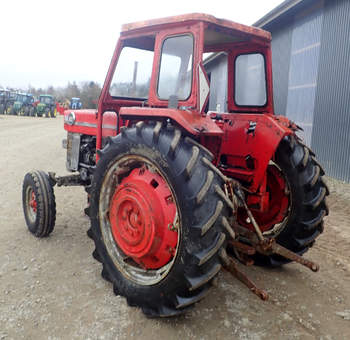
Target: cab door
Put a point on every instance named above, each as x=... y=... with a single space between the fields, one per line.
x=250 y=80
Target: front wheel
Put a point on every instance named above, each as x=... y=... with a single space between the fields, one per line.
x=47 y=113
x=39 y=204
x=156 y=219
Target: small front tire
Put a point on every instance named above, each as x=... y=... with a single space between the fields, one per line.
x=39 y=205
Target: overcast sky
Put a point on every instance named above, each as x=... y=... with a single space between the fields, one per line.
x=51 y=42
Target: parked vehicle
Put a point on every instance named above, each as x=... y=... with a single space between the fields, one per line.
x=23 y=105
x=46 y=106
x=75 y=103
x=173 y=190
x=7 y=98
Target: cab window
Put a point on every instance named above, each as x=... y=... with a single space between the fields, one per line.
x=175 y=73
x=250 y=80
x=132 y=75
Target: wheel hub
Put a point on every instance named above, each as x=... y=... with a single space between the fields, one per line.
x=278 y=205
x=142 y=214
x=32 y=202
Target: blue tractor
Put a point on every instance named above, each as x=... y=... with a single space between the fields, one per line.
x=75 y=104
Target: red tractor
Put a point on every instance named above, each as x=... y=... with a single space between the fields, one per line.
x=175 y=190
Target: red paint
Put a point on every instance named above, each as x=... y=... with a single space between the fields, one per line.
x=247 y=48
x=237 y=144
x=183 y=20
x=191 y=121
x=60 y=108
x=142 y=213
x=240 y=151
x=86 y=122
x=276 y=202
x=32 y=202
x=159 y=30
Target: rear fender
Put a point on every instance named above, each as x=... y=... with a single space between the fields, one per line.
x=191 y=121
x=250 y=141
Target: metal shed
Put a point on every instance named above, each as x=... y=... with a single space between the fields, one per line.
x=311 y=71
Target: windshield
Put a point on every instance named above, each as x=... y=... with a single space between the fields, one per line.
x=29 y=99
x=132 y=76
x=20 y=98
x=175 y=74
x=46 y=100
x=250 y=80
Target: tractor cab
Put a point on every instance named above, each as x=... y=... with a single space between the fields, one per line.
x=29 y=99
x=24 y=98
x=75 y=104
x=23 y=104
x=46 y=99
x=7 y=99
x=18 y=103
x=196 y=62
x=200 y=72
x=2 y=101
x=46 y=107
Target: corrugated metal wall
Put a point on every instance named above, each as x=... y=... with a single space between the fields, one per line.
x=303 y=68
x=281 y=44
x=331 y=128
x=312 y=47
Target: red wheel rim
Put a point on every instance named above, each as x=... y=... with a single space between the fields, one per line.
x=279 y=202
x=32 y=202
x=142 y=213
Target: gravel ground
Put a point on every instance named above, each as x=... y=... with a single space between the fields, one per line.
x=52 y=288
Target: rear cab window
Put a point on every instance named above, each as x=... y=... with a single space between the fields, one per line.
x=250 y=80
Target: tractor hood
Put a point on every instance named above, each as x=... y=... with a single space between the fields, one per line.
x=17 y=105
x=85 y=122
x=40 y=107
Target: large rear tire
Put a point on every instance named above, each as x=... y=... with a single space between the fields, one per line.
x=39 y=205
x=307 y=206
x=182 y=168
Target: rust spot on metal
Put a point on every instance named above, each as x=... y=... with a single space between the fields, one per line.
x=231 y=266
x=220 y=24
x=243 y=248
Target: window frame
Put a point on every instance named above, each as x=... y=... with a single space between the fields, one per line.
x=115 y=69
x=234 y=80
x=160 y=63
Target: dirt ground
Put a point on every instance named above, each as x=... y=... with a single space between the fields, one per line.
x=52 y=289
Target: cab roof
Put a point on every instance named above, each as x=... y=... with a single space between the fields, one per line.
x=212 y=23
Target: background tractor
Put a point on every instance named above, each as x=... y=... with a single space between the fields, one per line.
x=23 y=105
x=75 y=103
x=7 y=98
x=46 y=106
x=176 y=192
